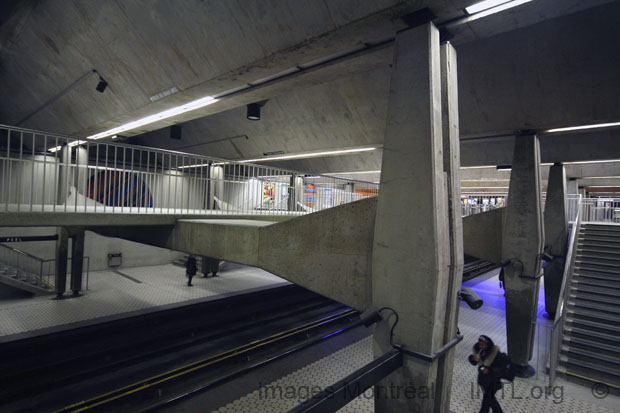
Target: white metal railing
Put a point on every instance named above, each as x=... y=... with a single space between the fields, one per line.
x=569 y=264
x=46 y=172
x=600 y=210
x=475 y=204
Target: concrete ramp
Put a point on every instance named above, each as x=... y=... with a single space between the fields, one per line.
x=482 y=235
x=328 y=252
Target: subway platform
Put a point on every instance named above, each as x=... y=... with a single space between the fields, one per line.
x=523 y=395
x=117 y=294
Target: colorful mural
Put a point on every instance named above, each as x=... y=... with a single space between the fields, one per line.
x=119 y=188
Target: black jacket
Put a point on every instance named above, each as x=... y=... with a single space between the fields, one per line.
x=489 y=360
x=191 y=266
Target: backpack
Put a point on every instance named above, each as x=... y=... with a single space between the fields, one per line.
x=506 y=366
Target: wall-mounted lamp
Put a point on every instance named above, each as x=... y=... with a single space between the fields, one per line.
x=101 y=85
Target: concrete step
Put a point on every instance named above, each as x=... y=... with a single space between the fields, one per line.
x=601 y=227
x=578 y=341
x=573 y=331
x=595 y=275
x=595 y=282
x=599 y=262
x=612 y=329
x=578 y=289
x=592 y=315
x=585 y=376
x=591 y=367
x=589 y=252
x=580 y=305
x=588 y=237
x=583 y=267
x=592 y=356
x=597 y=298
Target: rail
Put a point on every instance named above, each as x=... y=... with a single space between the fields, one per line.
x=47 y=172
x=475 y=204
x=558 y=322
x=30 y=267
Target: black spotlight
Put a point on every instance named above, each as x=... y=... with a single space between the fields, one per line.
x=253 y=111
x=101 y=85
x=472 y=299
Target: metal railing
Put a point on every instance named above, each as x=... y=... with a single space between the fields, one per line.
x=475 y=204
x=560 y=316
x=27 y=267
x=46 y=172
x=600 y=210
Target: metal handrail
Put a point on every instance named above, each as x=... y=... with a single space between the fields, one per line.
x=558 y=322
x=51 y=172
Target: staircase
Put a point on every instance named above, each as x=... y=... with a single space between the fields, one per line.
x=590 y=348
x=23 y=280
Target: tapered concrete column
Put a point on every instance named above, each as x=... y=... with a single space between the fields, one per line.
x=296 y=192
x=452 y=168
x=77 y=259
x=216 y=187
x=556 y=232
x=411 y=244
x=572 y=187
x=522 y=242
x=62 y=251
x=64 y=175
x=81 y=170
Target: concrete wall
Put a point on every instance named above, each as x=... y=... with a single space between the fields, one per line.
x=96 y=247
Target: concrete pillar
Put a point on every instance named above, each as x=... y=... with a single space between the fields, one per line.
x=216 y=187
x=62 y=251
x=64 y=175
x=81 y=171
x=77 y=259
x=410 y=256
x=452 y=168
x=581 y=190
x=572 y=187
x=556 y=232
x=522 y=242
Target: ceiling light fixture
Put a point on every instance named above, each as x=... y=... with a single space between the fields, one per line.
x=253 y=112
x=583 y=127
x=591 y=162
x=489 y=7
x=307 y=155
x=193 y=105
x=351 y=173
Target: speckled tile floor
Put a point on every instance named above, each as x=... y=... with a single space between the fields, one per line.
x=111 y=294
x=520 y=396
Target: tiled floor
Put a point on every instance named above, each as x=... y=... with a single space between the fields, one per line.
x=113 y=295
x=523 y=395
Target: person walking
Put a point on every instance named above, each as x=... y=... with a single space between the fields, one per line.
x=191 y=269
x=484 y=355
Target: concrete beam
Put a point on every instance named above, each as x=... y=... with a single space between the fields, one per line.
x=85 y=219
x=327 y=252
x=482 y=235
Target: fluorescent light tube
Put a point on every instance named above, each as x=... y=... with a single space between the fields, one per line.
x=583 y=127
x=307 y=155
x=489 y=11
x=484 y=5
x=193 y=105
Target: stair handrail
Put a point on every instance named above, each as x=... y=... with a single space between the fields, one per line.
x=558 y=322
x=33 y=257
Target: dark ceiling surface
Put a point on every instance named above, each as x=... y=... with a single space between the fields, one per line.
x=513 y=67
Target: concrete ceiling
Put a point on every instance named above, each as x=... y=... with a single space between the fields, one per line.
x=544 y=64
